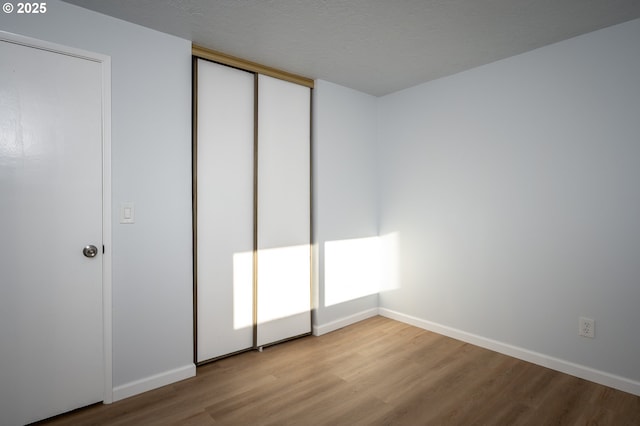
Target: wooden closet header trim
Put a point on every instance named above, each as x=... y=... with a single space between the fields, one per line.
x=222 y=58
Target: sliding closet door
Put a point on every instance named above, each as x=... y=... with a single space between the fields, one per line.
x=283 y=302
x=224 y=210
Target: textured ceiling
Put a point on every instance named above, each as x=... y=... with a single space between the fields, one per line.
x=375 y=46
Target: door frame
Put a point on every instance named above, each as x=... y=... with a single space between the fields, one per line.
x=105 y=62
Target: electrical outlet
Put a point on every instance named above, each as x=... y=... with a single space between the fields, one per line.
x=586 y=327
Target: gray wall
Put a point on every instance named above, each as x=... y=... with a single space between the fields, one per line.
x=514 y=190
x=344 y=205
x=151 y=166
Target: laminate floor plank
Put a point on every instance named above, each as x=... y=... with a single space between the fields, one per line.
x=376 y=372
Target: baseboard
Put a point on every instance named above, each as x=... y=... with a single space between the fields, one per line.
x=587 y=373
x=319 y=330
x=153 y=382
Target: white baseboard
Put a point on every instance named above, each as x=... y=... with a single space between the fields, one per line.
x=319 y=330
x=153 y=382
x=587 y=373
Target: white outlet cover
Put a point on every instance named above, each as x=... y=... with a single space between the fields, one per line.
x=586 y=327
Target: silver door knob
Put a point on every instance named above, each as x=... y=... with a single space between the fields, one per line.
x=90 y=251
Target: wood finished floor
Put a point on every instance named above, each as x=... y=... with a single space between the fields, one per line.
x=376 y=372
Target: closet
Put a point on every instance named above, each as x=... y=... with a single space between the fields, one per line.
x=252 y=206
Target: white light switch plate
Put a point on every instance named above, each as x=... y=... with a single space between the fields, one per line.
x=127 y=213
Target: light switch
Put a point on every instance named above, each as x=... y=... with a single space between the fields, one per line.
x=127 y=212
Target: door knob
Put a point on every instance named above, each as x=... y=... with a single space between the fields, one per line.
x=90 y=251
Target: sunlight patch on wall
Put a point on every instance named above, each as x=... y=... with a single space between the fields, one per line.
x=351 y=269
x=359 y=267
x=389 y=262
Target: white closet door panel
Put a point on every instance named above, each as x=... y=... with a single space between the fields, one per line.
x=283 y=210
x=224 y=210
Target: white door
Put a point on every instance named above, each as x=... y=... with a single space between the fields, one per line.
x=224 y=171
x=51 y=301
x=284 y=218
